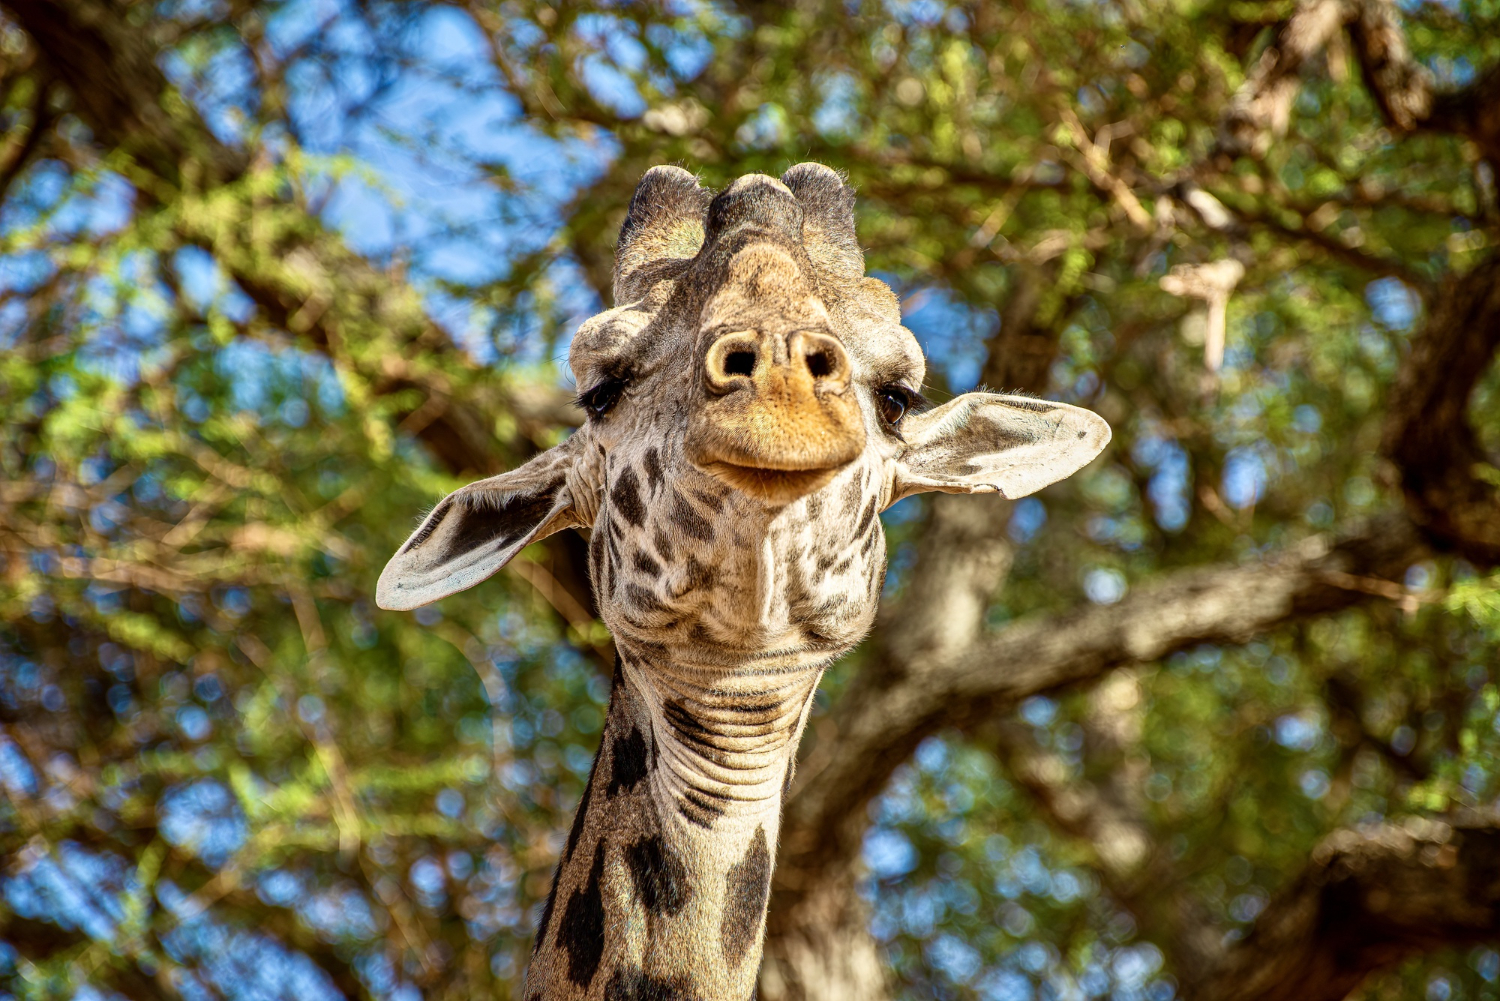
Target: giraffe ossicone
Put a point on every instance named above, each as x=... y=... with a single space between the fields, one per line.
x=753 y=405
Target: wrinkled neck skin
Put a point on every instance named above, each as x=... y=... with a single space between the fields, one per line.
x=661 y=891
x=725 y=613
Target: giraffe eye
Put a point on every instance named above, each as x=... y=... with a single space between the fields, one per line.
x=602 y=398
x=894 y=401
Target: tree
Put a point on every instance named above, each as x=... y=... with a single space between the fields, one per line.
x=1215 y=719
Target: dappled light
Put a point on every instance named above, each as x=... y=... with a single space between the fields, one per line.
x=1217 y=718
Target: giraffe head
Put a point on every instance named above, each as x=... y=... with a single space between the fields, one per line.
x=753 y=404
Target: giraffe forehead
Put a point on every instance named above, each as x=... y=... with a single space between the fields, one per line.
x=764 y=287
x=764 y=270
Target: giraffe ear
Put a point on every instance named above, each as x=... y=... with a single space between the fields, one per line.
x=988 y=443
x=476 y=530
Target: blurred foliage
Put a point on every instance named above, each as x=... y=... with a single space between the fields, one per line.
x=227 y=775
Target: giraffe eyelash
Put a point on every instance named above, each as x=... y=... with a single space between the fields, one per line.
x=599 y=400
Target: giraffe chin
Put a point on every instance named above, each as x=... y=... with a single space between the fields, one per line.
x=771 y=486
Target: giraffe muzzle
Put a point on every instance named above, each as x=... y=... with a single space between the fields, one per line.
x=778 y=416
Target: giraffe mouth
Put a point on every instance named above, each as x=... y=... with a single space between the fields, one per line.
x=777 y=440
x=774 y=486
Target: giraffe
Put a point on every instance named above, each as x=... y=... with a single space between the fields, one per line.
x=752 y=405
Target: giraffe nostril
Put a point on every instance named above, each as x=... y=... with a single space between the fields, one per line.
x=739 y=363
x=819 y=364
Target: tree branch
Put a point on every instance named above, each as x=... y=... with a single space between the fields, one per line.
x=893 y=704
x=109 y=68
x=1451 y=489
x=308 y=283
x=42 y=120
x=1369 y=897
x=1401 y=87
x=1261 y=109
x=886 y=713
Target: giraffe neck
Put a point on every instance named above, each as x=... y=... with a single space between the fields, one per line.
x=662 y=887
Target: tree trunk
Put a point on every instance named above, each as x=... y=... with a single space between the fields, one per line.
x=819 y=946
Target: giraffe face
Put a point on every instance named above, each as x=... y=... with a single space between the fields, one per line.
x=752 y=406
